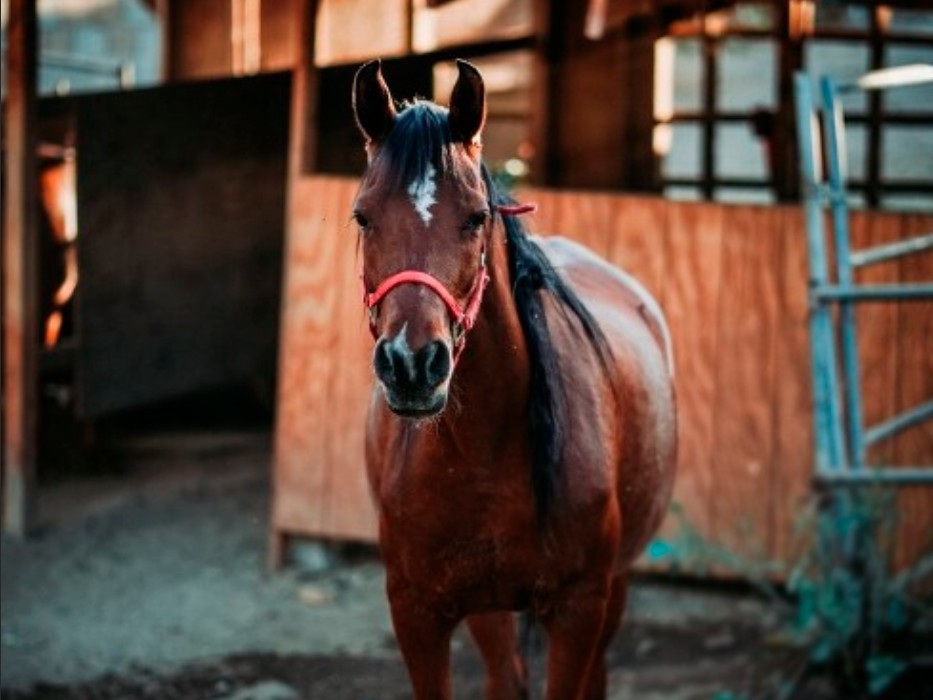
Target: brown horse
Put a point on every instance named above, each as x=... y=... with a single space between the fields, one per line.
x=521 y=434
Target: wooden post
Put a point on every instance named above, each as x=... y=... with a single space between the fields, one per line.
x=785 y=169
x=20 y=274
x=302 y=156
x=303 y=134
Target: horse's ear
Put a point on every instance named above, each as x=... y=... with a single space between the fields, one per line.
x=372 y=102
x=467 y=104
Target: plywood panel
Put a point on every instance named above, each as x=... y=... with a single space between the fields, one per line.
x=793 y=459
x=743 y=412
x=690 y=297
x=348 y=31
x=639 y=241
x=308 y=362
x=584 y=219
x=351 y=386
x=914 y=447
x=211 y=54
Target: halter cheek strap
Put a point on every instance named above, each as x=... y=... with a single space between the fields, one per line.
x=463 y=317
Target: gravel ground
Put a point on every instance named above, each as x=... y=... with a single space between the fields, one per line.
x=169 y=574
x=151 y=584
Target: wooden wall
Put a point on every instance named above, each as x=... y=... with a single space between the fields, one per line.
x=732 y=280
x=202 y=43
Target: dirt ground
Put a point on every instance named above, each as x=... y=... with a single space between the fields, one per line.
x=151 y=583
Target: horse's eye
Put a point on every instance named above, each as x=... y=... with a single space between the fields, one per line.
x=361 y=221
x=476 y=221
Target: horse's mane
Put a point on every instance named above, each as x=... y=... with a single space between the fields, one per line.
x=421 y=136
x=532 y=274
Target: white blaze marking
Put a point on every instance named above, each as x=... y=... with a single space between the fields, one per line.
x=422 y=194
x=400 y=345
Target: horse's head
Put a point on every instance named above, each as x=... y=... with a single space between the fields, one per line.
x=425 y=221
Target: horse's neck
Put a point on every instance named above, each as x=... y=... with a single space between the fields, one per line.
x=485 y=425
x=490 y=384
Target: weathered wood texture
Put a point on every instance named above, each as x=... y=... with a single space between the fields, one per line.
x=210 y=54
x=320 y=481
x=732 y=281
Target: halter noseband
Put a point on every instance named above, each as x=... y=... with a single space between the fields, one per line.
x=463 y=316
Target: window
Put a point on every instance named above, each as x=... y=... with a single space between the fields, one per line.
x=723 y=100
x=100 y=45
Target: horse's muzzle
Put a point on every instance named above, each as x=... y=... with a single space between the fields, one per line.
x=415 y=381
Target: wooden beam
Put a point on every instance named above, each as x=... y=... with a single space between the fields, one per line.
x=163 y=12
x=20 y=274
x=303 y=134
x=784 y=168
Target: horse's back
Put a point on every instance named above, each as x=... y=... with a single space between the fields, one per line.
x=645 y=427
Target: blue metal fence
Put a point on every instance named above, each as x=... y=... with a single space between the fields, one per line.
x=842 y=438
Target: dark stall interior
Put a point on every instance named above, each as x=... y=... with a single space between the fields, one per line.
x=162 y=230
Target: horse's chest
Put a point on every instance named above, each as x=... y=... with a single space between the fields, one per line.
x=477 y=572
x=482 y=556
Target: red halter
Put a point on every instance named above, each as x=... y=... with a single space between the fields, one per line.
x=463 y=316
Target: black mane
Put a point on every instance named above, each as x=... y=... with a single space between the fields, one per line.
x=532 y=275
x=421 y=136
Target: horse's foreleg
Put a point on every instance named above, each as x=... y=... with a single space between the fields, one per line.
x=423 y=636
x=573 y=626
x=506 y=676
x=596 y=681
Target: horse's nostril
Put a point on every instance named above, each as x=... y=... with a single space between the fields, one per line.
x=435 y=359
x=382 y=363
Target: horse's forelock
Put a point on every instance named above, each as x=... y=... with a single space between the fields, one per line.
x=419 y=142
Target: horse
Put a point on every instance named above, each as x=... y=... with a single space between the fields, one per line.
x=521 y=432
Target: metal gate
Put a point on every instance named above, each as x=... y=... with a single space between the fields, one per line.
x=841 y=437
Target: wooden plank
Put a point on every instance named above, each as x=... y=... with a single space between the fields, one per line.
x=200 y=39
x=336 y=44
x=793 y=461
x=638 y=243
x=743 y=409
x=691 y=298
x=351 y=386
x=914 y=447
x=281 y=34
x=20 y=274
x=306 y=361
x=585 y=219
